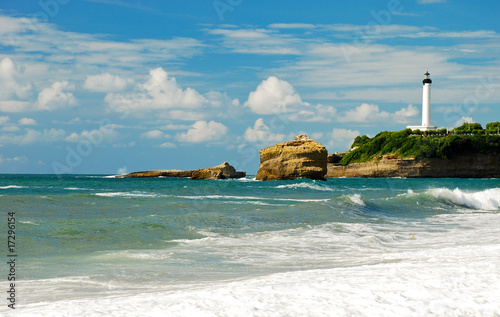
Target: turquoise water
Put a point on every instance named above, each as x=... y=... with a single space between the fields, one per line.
x=92 y=244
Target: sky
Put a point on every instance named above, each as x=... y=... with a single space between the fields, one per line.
x=114 y=86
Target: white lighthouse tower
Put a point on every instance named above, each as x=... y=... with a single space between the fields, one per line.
x=426 y=106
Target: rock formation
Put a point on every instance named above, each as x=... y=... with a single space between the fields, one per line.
x=222 y=171
x=301 y=158
x=464 y=166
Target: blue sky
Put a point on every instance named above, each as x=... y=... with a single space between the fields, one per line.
x=108 y=86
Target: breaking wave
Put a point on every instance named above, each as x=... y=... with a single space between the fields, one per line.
x=488 y=199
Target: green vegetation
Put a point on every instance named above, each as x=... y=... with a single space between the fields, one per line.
x=469 y=138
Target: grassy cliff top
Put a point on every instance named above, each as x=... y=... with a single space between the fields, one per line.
x=470 y=138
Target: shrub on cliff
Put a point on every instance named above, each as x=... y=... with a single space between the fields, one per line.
x=405 y=145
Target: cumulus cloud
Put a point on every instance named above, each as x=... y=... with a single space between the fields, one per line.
x=202 y=131
x=342 y=139
x=403 y=115
x=370 y=113
x=55 y=97
x=463 y=120
x=273 y=96
x=11 y=85
x=106 y=83
x=159 y=92
x=363 y=113
x=4 y=120
x=262 y=133
x=27 y=121
x=34 y=136
x=278 y=97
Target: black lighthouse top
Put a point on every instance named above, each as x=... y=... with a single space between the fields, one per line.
x=427 y=80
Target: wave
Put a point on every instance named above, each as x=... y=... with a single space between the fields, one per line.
x=126 y=194
x=488 y=199
x=12 y=186
x=307 y=186
x=356 y=199
x=250 y=198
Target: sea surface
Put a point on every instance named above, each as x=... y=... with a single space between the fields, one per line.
x=94 y=245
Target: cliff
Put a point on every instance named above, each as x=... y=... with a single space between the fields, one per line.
x=222 y=171
x=301 y=158
x=462 y=166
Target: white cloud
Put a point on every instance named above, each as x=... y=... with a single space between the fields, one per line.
x=278 y=97
x=262 y=133
x=364 y=113
x=202 y=131
x=168 y=145
x=318 y=113
x=55 y=97
x=402 y=116
x=27 y=121
x=292 y=26
x=256 y=41
x=154 y=134
x=34 y=136
x=15 y=159
x=105 y=134
x=10 y=128
x=273 y=96
x=106 y=83
x=11 y=85
x=175 y=127
x=463 y=120
x=370 y=113
x=341 y=139
x=4 y=120
x=159 y=92
x=13 y=106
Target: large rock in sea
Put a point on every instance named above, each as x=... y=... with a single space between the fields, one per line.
x=301 y=158
x=221 y=171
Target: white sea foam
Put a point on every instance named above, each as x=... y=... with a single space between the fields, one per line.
x=307 y=186
x=356 y=199
x=462 y=287
x=28 y=222
x=12 y=186
x=232 y=197
x=488 y=199
x=126 y=194
x=348 y=269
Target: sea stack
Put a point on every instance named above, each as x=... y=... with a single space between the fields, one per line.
x=301 y=158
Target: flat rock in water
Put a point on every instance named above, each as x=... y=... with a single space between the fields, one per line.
x=222 y=171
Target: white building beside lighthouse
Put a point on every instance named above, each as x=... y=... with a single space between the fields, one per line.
x=426 y=106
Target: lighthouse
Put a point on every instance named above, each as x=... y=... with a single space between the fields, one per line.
x=426 y=106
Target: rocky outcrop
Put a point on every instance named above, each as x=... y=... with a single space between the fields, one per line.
x=301 y=158
x=222 y=171
x=464 y=166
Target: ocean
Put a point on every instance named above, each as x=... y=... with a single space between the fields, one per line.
x=94 y=245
